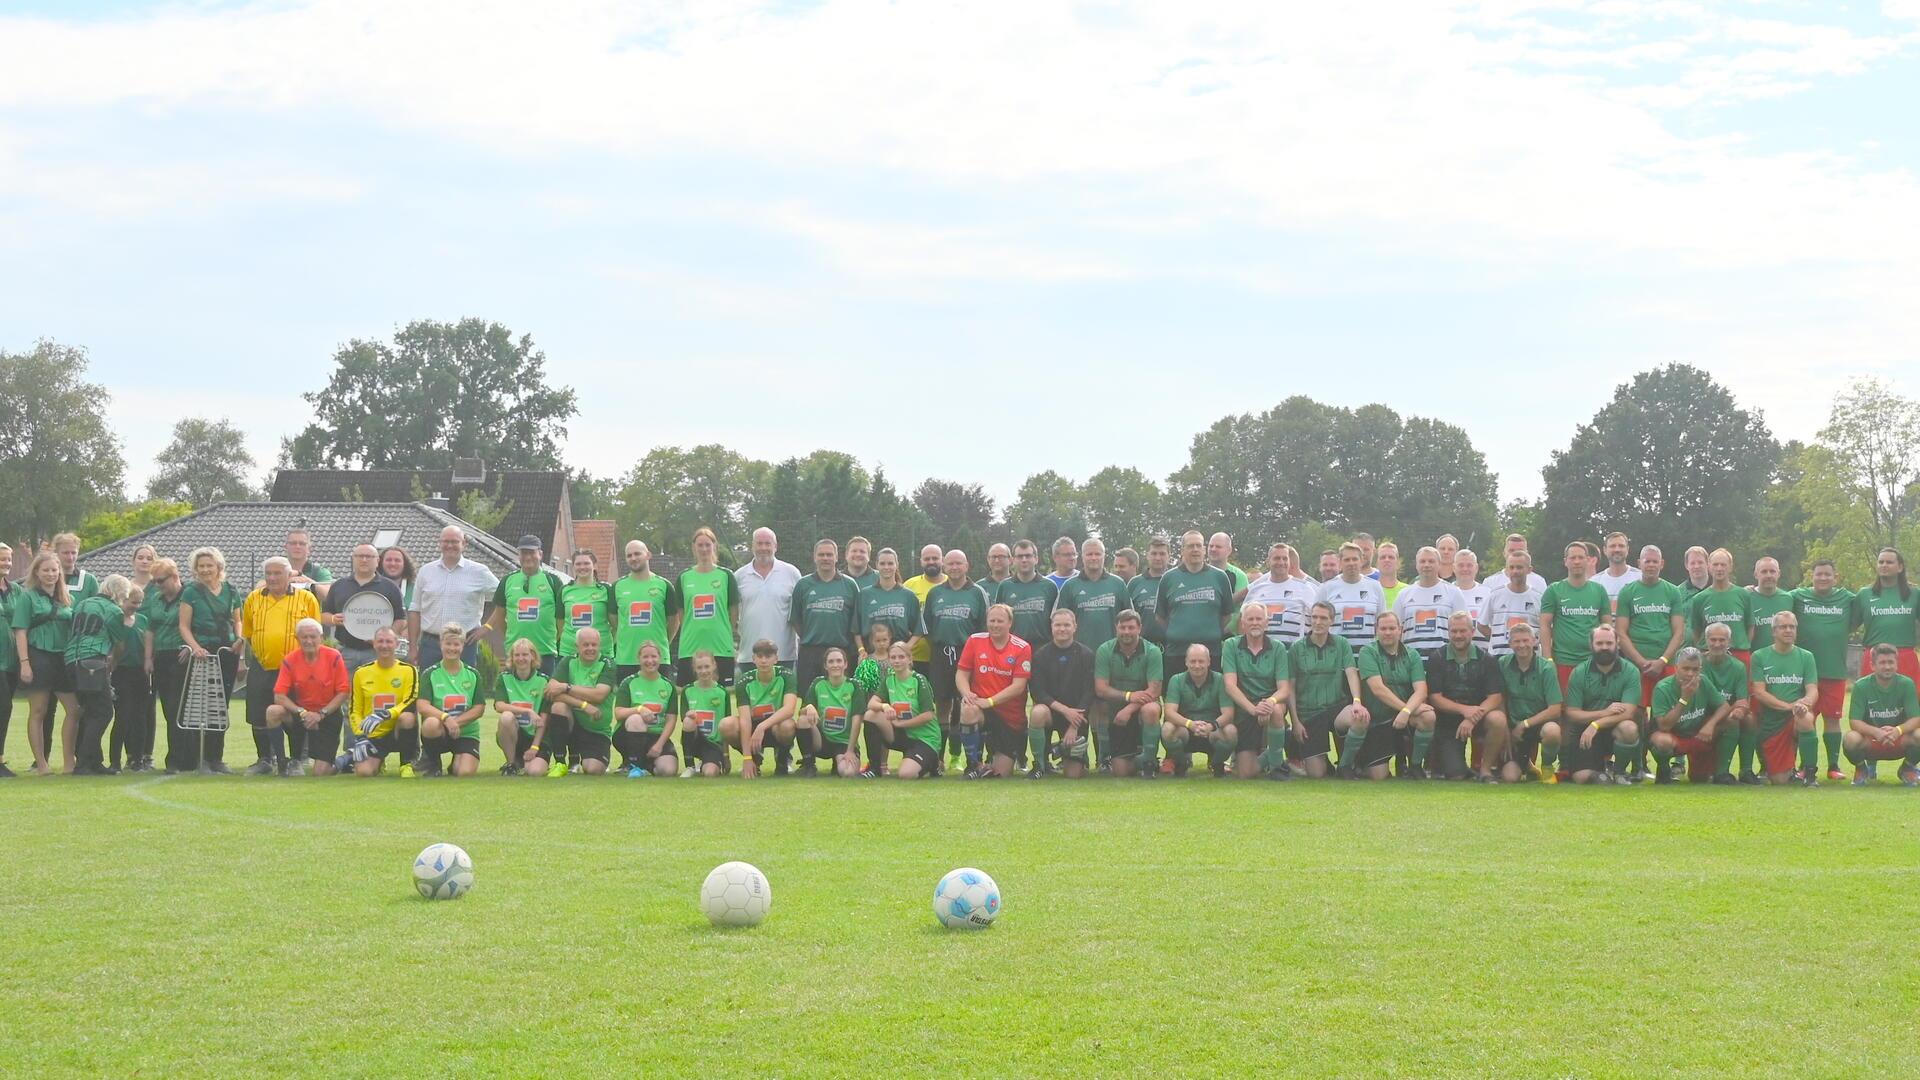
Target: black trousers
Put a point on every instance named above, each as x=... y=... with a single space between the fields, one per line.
x=96 y=712
x=7 y=681
x=132 y=714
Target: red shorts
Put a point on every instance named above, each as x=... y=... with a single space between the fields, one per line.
x=1909 y=664
x=1565 y=671
x=1699 y=754
x=1648 y=682
x=1875 y=750
x=1778 y=752
x=1833 y=698
x=1745 y=655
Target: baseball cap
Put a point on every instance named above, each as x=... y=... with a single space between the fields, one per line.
x=531 y=542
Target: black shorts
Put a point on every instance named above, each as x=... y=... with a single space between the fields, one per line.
x=524 y=743
x=1576 y=758
x=1123 y=740
x=1250 y=735
x=1319 y=741
x=912 y=749
x=1381 y=745
x=1058 y=726
x=591 y=745
x=50 y=674
x=1524 y=748
x=1003 y=738
x=940 y=669
x=323 y=739
x=722 y=670
x=1447 y=756
x=466 y=744
x=697 y=747
x=643 y=742
x=385 y=744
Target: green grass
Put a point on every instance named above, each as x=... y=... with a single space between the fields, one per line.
x=212 y=926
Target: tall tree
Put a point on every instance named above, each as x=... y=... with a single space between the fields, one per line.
x=1441 y=484
x=956 y=515
x=205 y=463
x=1874 y=435
x=591 y=496
x=675 y=490
x=440 y=391
x=1047 y=507
x=57 y=450
x=1670 y=460
x=1123 y=506
x=1815 y=511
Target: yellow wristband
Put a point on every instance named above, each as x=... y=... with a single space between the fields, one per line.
x=1664 y=660
x=1404 y=710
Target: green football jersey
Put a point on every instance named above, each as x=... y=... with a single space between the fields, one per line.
x=1576 y=610
x=47 y=625
x=867 y=579
x=898 y=607
x=1729 y=676
x=1258 y=676
x=586 y=605
x=1765 y=607
x=654 y=695
x=526 y=696
x=1032 y=603
x=1666 y=694
x=761 y=699
x=1649 y=611
x=1790 y=676
x=1125 y=672
x=702 y=708
x=454 y=693
x=1825 y=624
x=1319 y=673
x=1401 y=671
x=1195 y=603
x=1731 y=606
x=1094 y=604
x=595 y=718
x=911 y=697
x=1143 y=594
x=1886 y=617
x=707 y=601
x=642 y=610
x=954 y=614
x=826 y=612
x=131 y=639
x=96 y=626
x=530 y=604
x=1529 y=692
x=1884 y=706
x=836 y=707
x=1198 y=701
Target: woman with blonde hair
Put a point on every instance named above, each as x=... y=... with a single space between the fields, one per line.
x=209 y=624
x=42 y=622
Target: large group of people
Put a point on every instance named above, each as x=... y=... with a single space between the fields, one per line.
x=1129 y=663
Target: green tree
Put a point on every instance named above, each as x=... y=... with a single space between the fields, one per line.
x=57 y=449
x=105 y=526
x=1123 y=506
x=1874 y=435
x=591 y=497
x=674 y=490
x=205 y=463
x=439 y=391
x=956 y=515
x=1047 y=507
x=1816 y=512
x=1670 y=460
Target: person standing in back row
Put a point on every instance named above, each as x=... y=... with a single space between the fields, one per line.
x=1194 y=606
x=825 y=615
x=646 y=607
x=528 y=605
x=710 y=611
x=766 y=586
x=354 y=650
x=451 y=589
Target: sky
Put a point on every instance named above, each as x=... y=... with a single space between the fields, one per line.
x=968 y=240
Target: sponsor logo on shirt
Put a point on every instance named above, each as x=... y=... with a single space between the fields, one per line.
x=386 y=701
x=640 y=613
x=701 y=719
x=705 y=606
x=903 y=709
x=454 y=703
x=581 y=616
x=1589 y=611
x=761 y=712
x=527 y=609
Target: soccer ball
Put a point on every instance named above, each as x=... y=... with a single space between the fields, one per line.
x=736 y=894
x=443 y=872
x=966 y=899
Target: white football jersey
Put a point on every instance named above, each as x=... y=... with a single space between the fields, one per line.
x=1424 y=611
x=1287 y=603
x=1356 y=608
x=1503 y=608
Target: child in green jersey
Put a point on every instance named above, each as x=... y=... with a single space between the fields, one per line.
x=824 y=728
x=706 y=723
x=764 y=707
x=904 y=711
x=867 y=677
x=644 y=717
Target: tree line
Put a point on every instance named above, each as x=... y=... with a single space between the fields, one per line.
x=1671 y=459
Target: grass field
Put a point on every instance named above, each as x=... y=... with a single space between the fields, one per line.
x=221 y=926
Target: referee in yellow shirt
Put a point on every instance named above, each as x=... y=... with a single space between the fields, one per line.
x=267 y=622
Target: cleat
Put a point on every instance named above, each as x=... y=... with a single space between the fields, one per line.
x=406 y=771
x=509 y=769
x=1486 y=778
x=1810 y=779
x=1280 y=775
x=1414 y=772
x=808 y=767
x=263 y=767
x=559 y=768
x=217 y=768
x=296 y=767
x=1725 y=779
x=1752 y=779
x=1106 y=766
x=1663 y=776
x=1860 y=777
x=974 y=771
x=1166 y=767
x=5 y=773
x=1835 y=774
x=1909 y=776
x=635 y=772
x=781 y=768
x=1036 y=773
x=1346 y=771
x=428 y=766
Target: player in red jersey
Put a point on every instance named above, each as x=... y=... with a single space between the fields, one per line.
x=991 y=679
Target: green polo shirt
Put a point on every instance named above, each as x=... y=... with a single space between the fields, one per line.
x=1591 y=689
x=1128 y=673
x=1197 y=701
x=1401 y=671
x=1530 y=692
x=1319 y=679
x=1666 y=694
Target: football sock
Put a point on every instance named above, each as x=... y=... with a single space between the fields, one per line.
x=296 y=742
x=1350 y=746
x=970 y=744
x=876 y=741
x=1100 y=729
x=1913 y=751
x=1724 y=746
x=1149 y=745
x=409 y=744
x=1037 y=745
x=1749 y=748
x=1662 y=759
x=624 y=741
x=1809 y=751
x=1422 y=740
x=1549 y=756
x=1624 y=755
x=1832 y=739
x=263 y=743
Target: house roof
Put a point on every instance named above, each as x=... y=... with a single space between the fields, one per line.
x=599 y=537
x=536 y=497
x=247 y=533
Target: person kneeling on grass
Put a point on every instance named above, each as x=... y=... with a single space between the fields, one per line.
x=309 y=690
x=764 y=708
x=450 y=709
x=644 y=710
x=1326 y=694
x=1692 y=717
x=990 y=678
x=705 y=724
x=524 y=724
x=1601 y=715
x=1785 y=686
x=1393 y=699
x=866 y=676
x=1197 y=712
x=384 y=693
x=1883 y=720
x=824 y=728
x=904 y=710
x=1256 y=679
x=1126 y=685
x=580 y=692
x=1728 y=674
x=1062 y=689
x=1531 y=688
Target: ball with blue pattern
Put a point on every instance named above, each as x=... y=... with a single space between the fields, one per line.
x=442 y=872
x=966 y=899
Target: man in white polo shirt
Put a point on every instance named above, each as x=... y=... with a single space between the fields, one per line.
x=1618 y=571
x=766 y=598
x=451 y=589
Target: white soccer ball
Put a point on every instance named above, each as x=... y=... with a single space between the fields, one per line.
x=966 y=899
x=736 y=894
x=443 y=872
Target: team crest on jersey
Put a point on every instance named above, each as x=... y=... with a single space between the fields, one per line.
x=640 y=613
x=705 y=606
x=528 y=609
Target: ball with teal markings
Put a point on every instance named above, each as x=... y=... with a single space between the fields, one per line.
x=966 y=899
x=443 y=872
